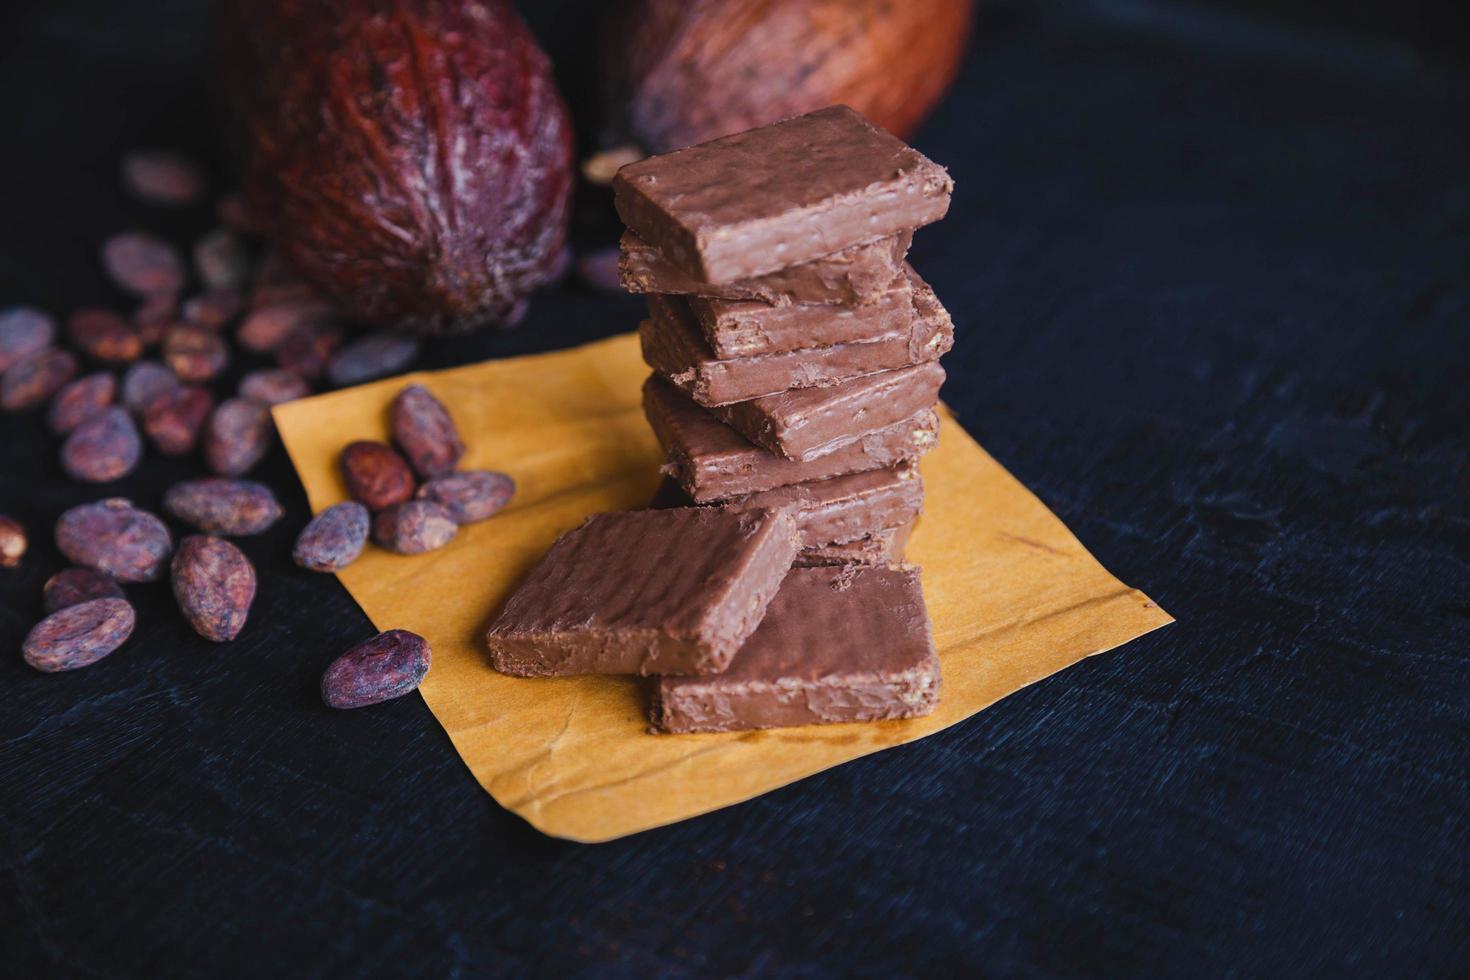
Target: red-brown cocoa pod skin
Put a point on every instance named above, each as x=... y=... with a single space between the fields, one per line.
x=32 y=380
x=115 y=538
x=412 y=158
x=470 y=497
x=388 y=666
x=73 y=586
x=105 y=447
x=334 y=538
x=79 y=635
x=174 y=418
x=79 y=400
x=230 y=508
x=376 y=475
x=425 y=431
x=214 y=584
x=415 y=527
x=680 y=72
x=237 y=437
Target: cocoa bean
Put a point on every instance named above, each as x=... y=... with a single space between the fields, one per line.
x=103 y=448
x=143 y=264
x=214 y=584
x=376 y=475
x=23 y=331
x=599 y=270
x=115 y=538
x=79 y=635
x=154 y=316
x=143 y=381
x=269 y=324
x=233 y=214
x=174 y=418
x=334 y=538
x=195 y=354
x=13 y=542
x=161 y=177
x=238 y=436
x=415 y=527
x=375 y=355
x=469 y=497
x=79 y=400
x=273 y=386
x=212 y=310
x=307 y=350
x=221 y=260
x=73 y=586
x=388 y=666
x=104 y=336
x=231 y=508
x=33 y=379
x=425 y=432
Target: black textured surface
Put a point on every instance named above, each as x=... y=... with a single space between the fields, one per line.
x=1212 y=284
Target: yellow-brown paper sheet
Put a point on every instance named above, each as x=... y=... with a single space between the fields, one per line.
x=1012 y=594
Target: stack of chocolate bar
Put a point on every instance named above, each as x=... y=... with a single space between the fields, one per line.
x=795 y=358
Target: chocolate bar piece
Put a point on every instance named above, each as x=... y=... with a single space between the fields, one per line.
x=885 y=547
x=711 y=461
x=778 y=196
x=853 y=276
x=674 y=347
x=837 y=644
x=645 y=592
x=805 y=423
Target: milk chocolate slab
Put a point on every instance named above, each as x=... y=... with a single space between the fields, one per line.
x=675 y=348
x=645 y=592
x=805 y=423
x=712 y=462
x=770 y=198
x=885 y=547
x=837 y=644
x=852 y=276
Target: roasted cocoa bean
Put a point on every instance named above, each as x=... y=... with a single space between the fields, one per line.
x=23 y=331
x=388 y=666
x=154 y=316
x=195 y=354
x=214 y=584
x=334 y=538
x=103 y=448
x=79 y=635
x=425 y=432
x=144 y=381
x=33 y=379
x=231 y=508
x=273 y=386
x=212 y=310
x=415 y=527
x=221 y=260
x=115 y=538
x=79 y=400
x=174 y=418
x=13 y=542
x=161 y=177
x=238 y=436
x=143 y=264
x=375 y=355
x=376 y=475
x=307 y=351
x=599 y=270
x=104 y=336
x=233 y=214
x=268 y=325
x=73 y=586
x=469 y=497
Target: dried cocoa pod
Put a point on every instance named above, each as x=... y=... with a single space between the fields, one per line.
x=79 y=635
x=174 y=418
x=143 y=264
x=376 y=475
x=470 y=497
x=273 y=386
x=388 y=666
x=375 y=355
x=214 y=309
x=104 y=336
x=79 y=400
x=73 y=586
x=115 y=538
x=415 y=527
x=269 y=324
x=13 y=542
x=237 y=437
x=414 y=160
x=195 y=354
x=23 y=331
x=307 y=350
x=143 y=381
x=154 y=316
x=214 y=584
x=103 y=448
x=221 y=260
x=425 y=431
x=230 y=508
x=162 y=177
x=334 y=538
x=34 y=379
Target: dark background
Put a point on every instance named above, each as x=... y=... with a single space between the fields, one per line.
x=1211 y=271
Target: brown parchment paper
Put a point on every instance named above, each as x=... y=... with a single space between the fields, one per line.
x=1013 y=595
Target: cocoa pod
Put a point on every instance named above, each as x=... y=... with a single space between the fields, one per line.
x=375 y=355
x=388 y=666
x=376 y=475
x=73 y=586
x=413 y=159
x=415 y=527
x=23 y=331
x=306 y=351
x=269 y=324
x=334 y=538
x=174 y=418
x=104 y=336
x=238 y=436
x=143 y=381
x=425 y=431
x=162 y=177
x=79 y=635
x=143 y=264
x=221 y=260
x=115 y=538
x=273 y=386
x=103 y=448
x=79 y=400
x=231 y=508
x=470 y=497
x=13 y=542
x=214 y=584
x=195 y=354
x=32 y=380
x=212 y=310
